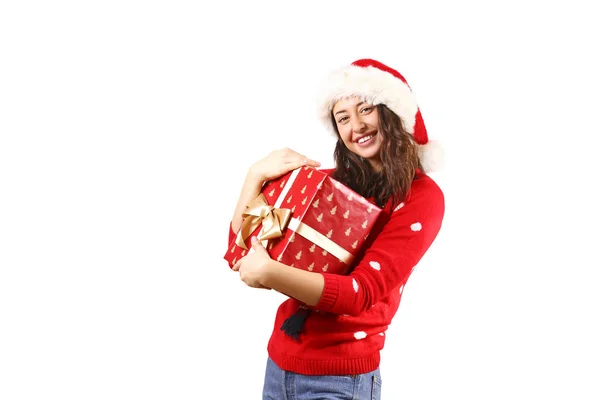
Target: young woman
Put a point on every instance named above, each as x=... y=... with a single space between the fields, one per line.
x=384 y=154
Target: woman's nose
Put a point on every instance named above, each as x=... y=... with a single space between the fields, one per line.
x=358 y=125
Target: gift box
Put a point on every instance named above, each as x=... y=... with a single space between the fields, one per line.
x=307 y=220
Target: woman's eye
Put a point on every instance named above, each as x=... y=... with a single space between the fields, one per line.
x=366 y=109
x=343 y=119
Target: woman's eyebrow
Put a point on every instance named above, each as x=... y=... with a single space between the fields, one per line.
x=341 y=111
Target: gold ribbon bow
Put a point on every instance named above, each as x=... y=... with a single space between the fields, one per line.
x=274 y=221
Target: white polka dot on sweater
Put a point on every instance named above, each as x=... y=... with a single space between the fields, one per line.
x=399 y=206
x=381 y=333
x=401 y=289
x=416 y=226
x=355 y=285
x=375 y=265
x=360 y=335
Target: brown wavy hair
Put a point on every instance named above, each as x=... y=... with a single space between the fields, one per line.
x=399 y=158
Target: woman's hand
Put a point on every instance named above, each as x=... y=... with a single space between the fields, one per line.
x=280 y=162
x=253 y=267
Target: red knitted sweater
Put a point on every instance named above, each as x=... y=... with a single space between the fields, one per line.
x=346 y=330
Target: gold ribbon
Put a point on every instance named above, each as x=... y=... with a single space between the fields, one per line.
x=273 y=220
x=322 y=241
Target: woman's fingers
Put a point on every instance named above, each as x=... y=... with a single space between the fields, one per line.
x=312 y=163
x=303 y=162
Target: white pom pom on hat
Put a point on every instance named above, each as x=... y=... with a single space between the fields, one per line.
x=376 y=83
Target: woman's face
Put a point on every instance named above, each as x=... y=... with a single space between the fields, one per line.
x=358 y=125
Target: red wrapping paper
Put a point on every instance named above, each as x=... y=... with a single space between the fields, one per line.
x=320 y=203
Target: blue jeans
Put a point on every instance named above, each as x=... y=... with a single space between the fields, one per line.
x=284 y=385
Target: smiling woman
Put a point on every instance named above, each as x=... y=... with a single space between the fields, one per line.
x=357 y=124
x=328 y=335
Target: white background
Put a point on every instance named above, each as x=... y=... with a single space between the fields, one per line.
x=126 y=130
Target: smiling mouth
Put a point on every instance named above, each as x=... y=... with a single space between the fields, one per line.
x=365 y=139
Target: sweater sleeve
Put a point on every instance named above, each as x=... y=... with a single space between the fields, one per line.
x=394 y=253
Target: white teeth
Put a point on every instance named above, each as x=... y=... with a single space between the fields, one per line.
x=364 y=139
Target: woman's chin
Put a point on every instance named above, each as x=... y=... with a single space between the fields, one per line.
x=369 y=154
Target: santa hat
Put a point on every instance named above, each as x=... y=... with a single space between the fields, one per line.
x=376 y=83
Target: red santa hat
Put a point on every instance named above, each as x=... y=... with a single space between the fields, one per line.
x=376 y=83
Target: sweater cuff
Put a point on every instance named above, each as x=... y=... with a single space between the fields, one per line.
x=331 y=290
